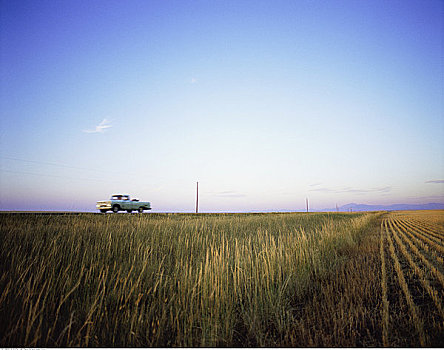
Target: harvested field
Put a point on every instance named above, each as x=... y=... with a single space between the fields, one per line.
x=412 y=270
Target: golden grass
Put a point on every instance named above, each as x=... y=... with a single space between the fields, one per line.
x=164 y=280
x=218 y=279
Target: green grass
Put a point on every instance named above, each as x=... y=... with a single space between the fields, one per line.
x=169 y=279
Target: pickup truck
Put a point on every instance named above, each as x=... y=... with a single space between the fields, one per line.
x=122 y=202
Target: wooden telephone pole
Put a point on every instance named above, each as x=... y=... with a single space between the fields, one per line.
x=197 y=197
x=306 y=202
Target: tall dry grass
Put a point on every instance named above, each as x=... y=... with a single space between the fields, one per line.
x=170 y=280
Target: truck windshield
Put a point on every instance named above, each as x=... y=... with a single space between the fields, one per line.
x=119 y=198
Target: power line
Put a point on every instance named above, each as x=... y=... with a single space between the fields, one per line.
x=50 y=163
x=61 y=165
x=49 y=175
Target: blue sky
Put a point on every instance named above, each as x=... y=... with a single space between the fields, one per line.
x=264 y=103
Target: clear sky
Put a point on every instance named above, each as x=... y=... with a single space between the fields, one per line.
x=264 y=103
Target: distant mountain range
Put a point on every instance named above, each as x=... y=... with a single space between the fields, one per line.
x=366 y=207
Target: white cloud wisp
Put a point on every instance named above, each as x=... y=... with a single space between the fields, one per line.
x=353 y=190
x=104 y=124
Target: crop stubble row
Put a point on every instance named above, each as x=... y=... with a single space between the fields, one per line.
x=414 y=256
x=430 y=247
x=425 y=235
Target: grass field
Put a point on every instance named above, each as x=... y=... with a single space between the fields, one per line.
x=278 y=279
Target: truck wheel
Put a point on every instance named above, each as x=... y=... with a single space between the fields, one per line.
x=129 y=211
x=103 y=210
x=140 y=210
x=116 y=208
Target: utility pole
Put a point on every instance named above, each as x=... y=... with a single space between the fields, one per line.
x=197 y=197
x=336 y=207
x=306 y=202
